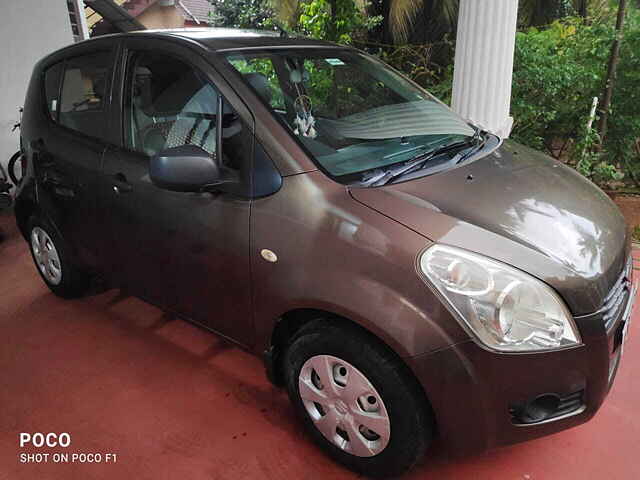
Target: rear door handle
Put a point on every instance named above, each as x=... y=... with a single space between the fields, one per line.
x=120 y=184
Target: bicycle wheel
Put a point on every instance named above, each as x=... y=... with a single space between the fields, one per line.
x=11 y=166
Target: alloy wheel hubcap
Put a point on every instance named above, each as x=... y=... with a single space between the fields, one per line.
x=344 y=406
x=46 y=255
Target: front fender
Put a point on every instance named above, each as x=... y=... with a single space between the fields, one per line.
x=341 y=257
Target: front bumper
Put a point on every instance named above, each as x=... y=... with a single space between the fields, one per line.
x=474 y=392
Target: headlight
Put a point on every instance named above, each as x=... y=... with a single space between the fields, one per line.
x=506 y=309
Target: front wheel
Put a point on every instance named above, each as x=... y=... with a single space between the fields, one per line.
x=357 y=399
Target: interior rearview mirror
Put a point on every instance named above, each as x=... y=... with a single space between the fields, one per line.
x=187 y=168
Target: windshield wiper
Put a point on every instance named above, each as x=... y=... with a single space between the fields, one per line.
x=417 y=162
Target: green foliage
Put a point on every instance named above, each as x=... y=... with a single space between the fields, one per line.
x=256 y=14
x=558 y=69
x=416 y=61
x=543 y=12
x=585 y=155
x=444 y=89
x=316 y=20
x=557 y=72
x=590 y=160
x=623 y=137
x=321 y=86
x=266 y=68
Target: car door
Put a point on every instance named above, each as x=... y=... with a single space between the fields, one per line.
x=69 y=151
x=185 y=251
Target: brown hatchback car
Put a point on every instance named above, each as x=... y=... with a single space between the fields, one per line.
x=404 y=273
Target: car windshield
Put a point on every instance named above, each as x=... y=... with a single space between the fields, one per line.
x=351 y=112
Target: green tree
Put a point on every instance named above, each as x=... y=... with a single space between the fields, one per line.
x=612 y=66
x=333 y=20
x=399 y=17
x=256 y=14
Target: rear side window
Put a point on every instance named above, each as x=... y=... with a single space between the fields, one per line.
x=84 y=94
x=52 y=78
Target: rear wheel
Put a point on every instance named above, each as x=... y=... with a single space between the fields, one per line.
x=357 y=399
x=50 y=255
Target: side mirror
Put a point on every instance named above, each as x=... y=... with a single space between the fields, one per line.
x=187 y=168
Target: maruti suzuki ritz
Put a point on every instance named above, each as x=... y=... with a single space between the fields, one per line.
x=404 y=273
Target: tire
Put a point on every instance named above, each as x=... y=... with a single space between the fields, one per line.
x=322 y=359
x=55 y=267
x=11 y=167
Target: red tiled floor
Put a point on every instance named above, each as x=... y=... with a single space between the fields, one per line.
x=173 y=401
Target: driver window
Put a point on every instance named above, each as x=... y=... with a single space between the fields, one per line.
x=169 y=104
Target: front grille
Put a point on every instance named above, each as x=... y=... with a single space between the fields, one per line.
x=616 y=300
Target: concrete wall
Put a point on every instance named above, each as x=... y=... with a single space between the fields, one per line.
x=29 y=30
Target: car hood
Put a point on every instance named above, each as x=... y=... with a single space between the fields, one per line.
x=523 y=208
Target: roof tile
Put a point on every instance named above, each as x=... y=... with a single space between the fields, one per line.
x=198 y=8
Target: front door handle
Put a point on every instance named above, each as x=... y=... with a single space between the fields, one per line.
x=120 y=184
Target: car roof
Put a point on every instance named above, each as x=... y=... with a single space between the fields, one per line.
x=218 y=39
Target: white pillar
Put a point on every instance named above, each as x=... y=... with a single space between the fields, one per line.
x=484 y=63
